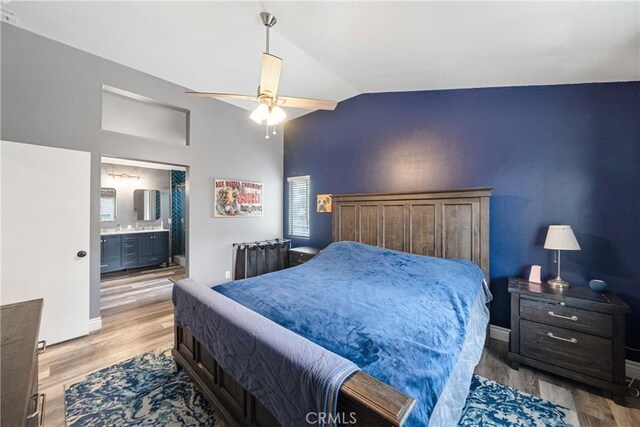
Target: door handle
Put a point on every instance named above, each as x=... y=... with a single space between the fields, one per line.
x=81 y=254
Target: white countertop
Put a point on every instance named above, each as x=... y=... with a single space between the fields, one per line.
x=131 y=231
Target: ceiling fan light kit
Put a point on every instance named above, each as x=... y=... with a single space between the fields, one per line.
x=269 y=110
x=272 y=115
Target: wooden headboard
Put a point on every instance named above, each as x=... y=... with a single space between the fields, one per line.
x=444 y=224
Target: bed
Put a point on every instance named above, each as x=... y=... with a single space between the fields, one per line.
x=447 y=224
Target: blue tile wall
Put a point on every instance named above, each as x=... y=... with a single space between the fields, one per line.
x=177 y=212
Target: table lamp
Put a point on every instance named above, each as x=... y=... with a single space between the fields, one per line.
x=560 y=238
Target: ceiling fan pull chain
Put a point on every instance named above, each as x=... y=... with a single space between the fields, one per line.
x=266 y=135
x=274 y=130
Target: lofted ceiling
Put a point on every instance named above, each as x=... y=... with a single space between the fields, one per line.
x=336 y=50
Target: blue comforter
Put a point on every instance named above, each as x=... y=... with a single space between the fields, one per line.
x=401 y=318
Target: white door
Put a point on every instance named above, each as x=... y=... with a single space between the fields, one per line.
x=45 y=222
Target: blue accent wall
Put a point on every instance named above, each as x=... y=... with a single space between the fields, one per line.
x=566 y=154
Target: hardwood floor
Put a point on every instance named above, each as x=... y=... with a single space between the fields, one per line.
x=135 y=322
x=136 y=286
x=594 y=410
x=137 y=316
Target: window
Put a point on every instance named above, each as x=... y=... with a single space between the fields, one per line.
x=299 y=198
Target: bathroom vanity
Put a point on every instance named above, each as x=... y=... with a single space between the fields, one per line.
x=121 y=250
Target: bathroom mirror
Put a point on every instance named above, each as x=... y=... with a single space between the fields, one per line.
x=108 y=204
x=146 y=205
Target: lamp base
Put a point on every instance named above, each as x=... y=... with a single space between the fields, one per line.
x=558 y=283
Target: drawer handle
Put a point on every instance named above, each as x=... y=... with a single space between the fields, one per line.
x=40 y=400
x=571 y=340
x=42 y=347
x=104 y=265
x=574 y=318
x=129 y=246
x=44 y=401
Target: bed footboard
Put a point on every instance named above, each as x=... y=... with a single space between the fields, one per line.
x=363 y=400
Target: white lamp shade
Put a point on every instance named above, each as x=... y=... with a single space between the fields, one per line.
x=276 y=115
x=561 y=237
x=260 y=114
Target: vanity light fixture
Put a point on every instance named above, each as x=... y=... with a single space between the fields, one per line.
x=123 y=176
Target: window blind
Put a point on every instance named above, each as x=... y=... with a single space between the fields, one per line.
x=299 y=201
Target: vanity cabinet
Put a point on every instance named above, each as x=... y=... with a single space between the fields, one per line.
x=153 y=248
x=133 y=250
x=110 y=256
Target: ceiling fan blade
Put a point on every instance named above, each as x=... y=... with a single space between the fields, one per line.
x=270 y=75
x=310 y=104
x=221 y=95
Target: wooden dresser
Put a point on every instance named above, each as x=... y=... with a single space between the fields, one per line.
x=576 y=333
x=20 y=402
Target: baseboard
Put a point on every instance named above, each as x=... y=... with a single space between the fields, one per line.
x=95 y=324
x=632 y=369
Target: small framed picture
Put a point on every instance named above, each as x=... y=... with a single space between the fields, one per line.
x=324 y=203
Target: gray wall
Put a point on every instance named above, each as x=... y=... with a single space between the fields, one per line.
x=150 y=179
x=51 y=95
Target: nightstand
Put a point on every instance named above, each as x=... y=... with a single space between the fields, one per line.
x=575 y=333
x=301 y=254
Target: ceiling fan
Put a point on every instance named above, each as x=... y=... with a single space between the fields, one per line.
x=269 y=111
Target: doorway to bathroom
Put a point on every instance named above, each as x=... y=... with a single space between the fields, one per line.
x=143 y=232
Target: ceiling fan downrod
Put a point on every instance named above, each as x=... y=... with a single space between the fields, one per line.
x=269 y=21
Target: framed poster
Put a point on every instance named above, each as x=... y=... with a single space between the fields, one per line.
x=235 y=198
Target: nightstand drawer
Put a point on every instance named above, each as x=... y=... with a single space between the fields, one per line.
x=573 y=350
x=296 y=258
x=567 y=317
x=301 y=254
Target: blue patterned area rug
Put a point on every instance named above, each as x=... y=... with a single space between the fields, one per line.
x=493 y=404
x=148 y=391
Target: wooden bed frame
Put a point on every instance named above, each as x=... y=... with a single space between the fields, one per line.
x=448 y=224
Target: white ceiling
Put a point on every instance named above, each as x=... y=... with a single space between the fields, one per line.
x=336 y=50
